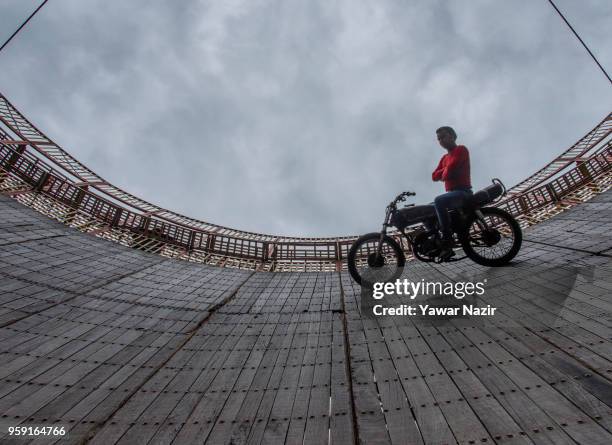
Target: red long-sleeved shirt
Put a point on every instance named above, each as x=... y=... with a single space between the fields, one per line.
x=454 y=169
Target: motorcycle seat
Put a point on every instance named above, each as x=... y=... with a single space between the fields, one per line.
x=487 y=194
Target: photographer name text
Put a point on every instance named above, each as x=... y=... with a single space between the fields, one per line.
x=426 y=310
x=414 y=289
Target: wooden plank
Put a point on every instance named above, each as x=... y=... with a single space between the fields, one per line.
x=277 y=422
x=301 y=390
x=274 y=355
x=453 y=409
x=552 y=372
x=275 y=383
x=186 y=375
x=136 y=419
x=96 y=407
x=216 y=386
x=227 y=418
x=186 y=398
x=319 y=407
x=341 y=422
x=369 y=416
x=497 y=421
x=561 y=410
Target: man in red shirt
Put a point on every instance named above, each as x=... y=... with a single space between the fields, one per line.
x=454 y=170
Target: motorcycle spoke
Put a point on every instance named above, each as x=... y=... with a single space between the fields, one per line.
x=372 y=268
x=478 y=238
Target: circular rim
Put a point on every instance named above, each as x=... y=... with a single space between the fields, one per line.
x=496 y=244
x=359 y=262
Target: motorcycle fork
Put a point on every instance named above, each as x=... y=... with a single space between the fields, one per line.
x=383 y=232
x=379 y=248
x=480 y=220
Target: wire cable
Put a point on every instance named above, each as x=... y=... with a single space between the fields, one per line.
x=581 y=41
x=23 y=24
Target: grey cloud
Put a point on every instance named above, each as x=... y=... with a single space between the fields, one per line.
x=303 y=118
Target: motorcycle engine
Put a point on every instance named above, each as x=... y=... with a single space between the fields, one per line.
x=429 y=246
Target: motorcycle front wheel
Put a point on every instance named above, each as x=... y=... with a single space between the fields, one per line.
x=367 y=267
x=495 y=245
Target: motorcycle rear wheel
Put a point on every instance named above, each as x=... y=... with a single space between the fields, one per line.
x=366 y=267
x=496 y=246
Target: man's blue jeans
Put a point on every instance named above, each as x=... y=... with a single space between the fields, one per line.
x=448 y=201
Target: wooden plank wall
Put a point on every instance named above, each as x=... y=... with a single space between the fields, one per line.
x=126 y=347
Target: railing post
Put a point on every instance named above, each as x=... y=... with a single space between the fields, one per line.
x=523 y=204
x=584 y=170
x=338 y=256
x=552 y=192
x=42 y=181
x=145 y=223
x=210 y=242
x=13 y=159
x=117 y=217
x=76 y=203
x=191 y=243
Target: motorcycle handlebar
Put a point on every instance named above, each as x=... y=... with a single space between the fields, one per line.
x=401 y=197
x=404 y=195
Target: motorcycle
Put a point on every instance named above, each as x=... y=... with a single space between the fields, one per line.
x=488 y=236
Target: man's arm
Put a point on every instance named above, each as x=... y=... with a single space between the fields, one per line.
x=438 y=172
x=455 y=163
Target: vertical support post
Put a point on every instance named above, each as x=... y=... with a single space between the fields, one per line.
x=76 y=203
x=584 y=171
x=145 y=223
x=210 y=243
x=191 y=240
x=338 y=256
x=117 y=217
x=42 y=181
x=13 y=159
x=552 y=192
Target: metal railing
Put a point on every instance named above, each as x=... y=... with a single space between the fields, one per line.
x=41 y=174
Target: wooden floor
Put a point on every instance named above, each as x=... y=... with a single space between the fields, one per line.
x=125 y=347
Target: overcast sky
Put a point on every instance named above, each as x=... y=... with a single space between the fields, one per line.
x=304 y=117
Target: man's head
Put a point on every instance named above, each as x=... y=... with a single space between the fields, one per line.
x=446 y=137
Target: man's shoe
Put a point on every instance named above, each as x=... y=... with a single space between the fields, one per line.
x=446 y=250
x=446 y=253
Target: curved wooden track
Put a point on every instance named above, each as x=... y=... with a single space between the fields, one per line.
x=117 y=340
x=124 y=346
